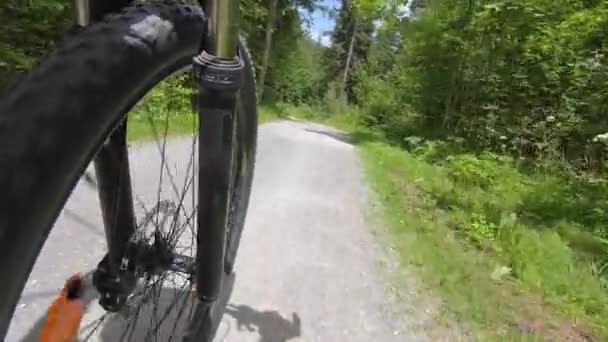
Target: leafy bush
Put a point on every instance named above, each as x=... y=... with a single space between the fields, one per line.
x=480 y=229
x=523 y=77
x=334 y=99
x=484 y=170
x=433 y=150
x=471 y=170
x=172 y=96
x=300 y=75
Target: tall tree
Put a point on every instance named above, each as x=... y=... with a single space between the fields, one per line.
x=270 y=26
x=350 y=42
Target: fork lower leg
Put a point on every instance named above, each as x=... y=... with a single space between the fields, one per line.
x=218 y=72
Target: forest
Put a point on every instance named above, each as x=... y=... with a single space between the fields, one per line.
x=482 y=125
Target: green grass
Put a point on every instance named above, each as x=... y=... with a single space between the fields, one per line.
x=267 y=114
x=139 y=127
x=510 y=252
x=183 y=123
x=422 y=236
x=546 y=284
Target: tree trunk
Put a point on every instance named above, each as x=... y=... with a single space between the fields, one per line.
x=349 y=57
x=267 y=45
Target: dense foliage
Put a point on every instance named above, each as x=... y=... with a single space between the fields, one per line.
x=529 y=77
x=351 y=39
x=526 y=79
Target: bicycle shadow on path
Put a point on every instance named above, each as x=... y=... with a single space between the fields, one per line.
x=269 y=325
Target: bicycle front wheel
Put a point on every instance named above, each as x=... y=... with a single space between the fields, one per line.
x=54 y=121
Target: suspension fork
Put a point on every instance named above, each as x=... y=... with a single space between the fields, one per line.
x=218 y=73
x=112 y=170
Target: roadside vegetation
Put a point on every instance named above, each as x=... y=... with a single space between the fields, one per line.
x=482 y=126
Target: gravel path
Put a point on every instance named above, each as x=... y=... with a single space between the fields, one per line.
x=308 y=267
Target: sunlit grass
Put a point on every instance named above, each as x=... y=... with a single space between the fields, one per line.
x=543 y=281
x=139 y=127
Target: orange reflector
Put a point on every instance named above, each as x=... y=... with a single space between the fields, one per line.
x=64 y=314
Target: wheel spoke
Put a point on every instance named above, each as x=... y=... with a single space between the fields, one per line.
x=175 y=221
x=188 y=182
x=171 y=234
x=163 y=155
x=96 y=324
x=180 y=293
x=144 y=296
x=164 y=164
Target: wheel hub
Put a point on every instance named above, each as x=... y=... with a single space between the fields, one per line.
x=142 y=260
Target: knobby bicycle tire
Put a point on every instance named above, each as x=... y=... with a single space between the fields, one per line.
x=53 y=122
